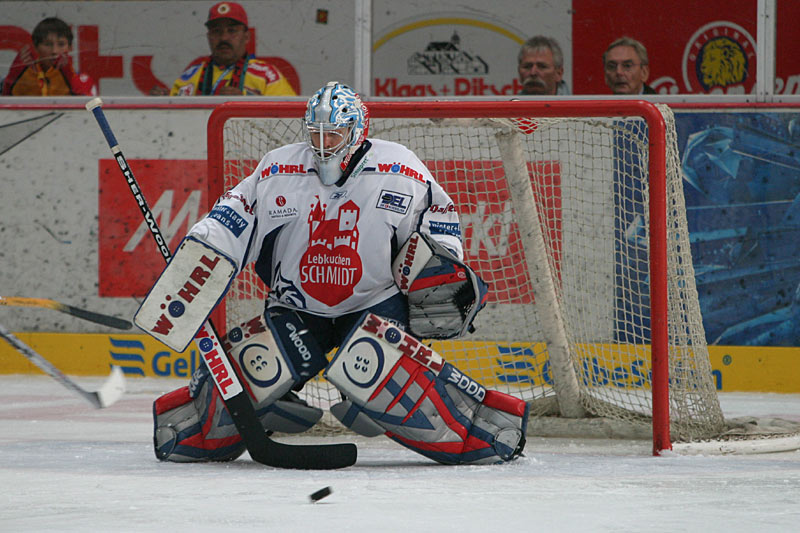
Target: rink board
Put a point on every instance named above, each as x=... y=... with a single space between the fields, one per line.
x=735 y=368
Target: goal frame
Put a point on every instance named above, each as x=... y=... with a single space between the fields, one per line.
x=657 y=162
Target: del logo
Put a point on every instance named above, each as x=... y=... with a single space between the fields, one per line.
x=394 y=201
x=281 y=208
x=275 y=168
x=720 y=58
x=397 y=168
x=331 y=266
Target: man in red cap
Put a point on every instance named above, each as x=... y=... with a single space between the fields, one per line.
x=228 y=70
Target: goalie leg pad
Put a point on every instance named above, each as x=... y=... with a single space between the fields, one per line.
x=273 y=357
x=352 y=416
x=422 y=402
x=192 y=424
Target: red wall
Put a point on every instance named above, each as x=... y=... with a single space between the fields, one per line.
x=675 y=34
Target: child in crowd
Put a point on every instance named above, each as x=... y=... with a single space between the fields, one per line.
x=44 y=68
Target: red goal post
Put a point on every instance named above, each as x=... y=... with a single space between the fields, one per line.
x=521 y=119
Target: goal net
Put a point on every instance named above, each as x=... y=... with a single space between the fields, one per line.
x=573 y=213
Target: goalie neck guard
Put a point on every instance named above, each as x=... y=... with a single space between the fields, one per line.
x=335 y=127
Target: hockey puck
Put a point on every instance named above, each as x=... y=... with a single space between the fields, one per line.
x=321 y=493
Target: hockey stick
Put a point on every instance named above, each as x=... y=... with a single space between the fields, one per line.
x=262 y=449
x=111 y=391
x=91 y=316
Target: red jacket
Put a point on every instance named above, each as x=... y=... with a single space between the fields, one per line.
x=26 y=77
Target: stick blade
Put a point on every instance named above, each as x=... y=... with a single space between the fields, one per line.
x=112 y=390
x=310 y=456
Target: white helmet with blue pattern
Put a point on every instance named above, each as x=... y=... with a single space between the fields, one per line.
x=336 y=124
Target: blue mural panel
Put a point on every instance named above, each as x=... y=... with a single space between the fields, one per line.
x=742 y=186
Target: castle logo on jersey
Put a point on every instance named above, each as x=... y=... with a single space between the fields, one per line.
x=720 y=58
x=331 y=267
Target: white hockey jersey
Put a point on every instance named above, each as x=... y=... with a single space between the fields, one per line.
x=327 y=250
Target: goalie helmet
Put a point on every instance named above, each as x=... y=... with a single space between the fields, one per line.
x=335 y=126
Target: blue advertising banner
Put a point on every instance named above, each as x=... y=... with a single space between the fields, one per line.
x=742 y=179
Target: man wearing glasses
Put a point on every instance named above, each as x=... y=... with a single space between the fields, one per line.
x=626 y=67
x=229 y=70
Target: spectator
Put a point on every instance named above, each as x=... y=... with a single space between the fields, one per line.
x=540 y=65
x=229 y=70
x=44 y=67
x=627 y=67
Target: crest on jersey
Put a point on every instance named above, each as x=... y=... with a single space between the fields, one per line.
x=331 y=267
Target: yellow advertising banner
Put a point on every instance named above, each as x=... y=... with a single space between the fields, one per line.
x=735 y=368
x=93 y=354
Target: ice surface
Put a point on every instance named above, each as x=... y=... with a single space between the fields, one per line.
x=65 y=466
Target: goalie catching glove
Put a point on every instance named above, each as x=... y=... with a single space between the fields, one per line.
x=444 y=294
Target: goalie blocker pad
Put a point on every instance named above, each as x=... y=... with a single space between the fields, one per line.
x=192 y=423
x=444 y=294
x=397 y=386
x=189 y=288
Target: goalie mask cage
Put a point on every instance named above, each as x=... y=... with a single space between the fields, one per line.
x=573 y=212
